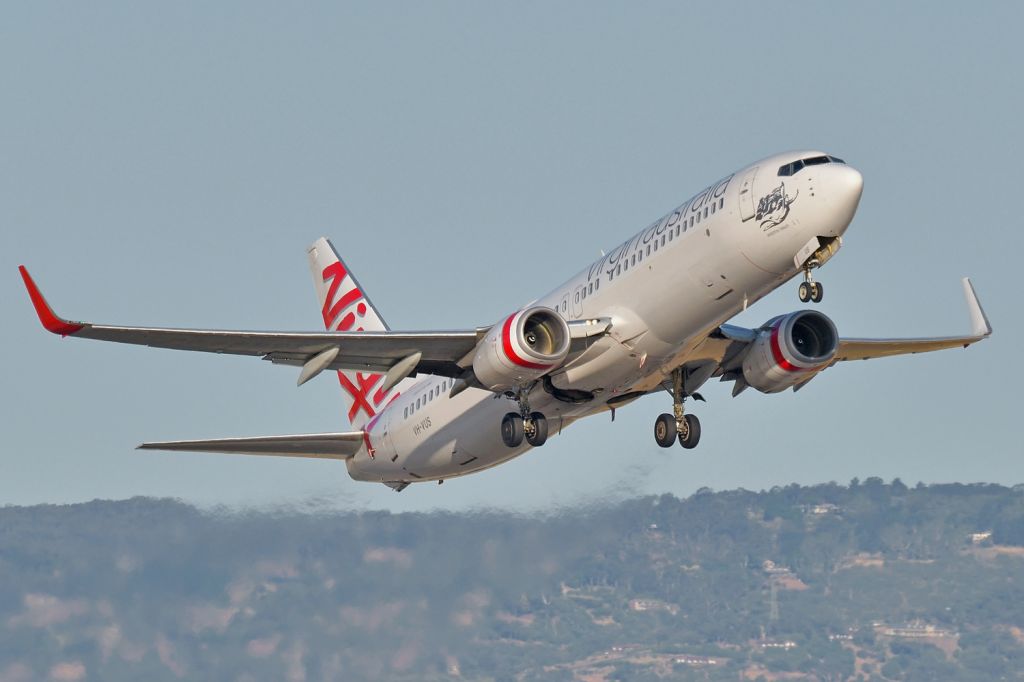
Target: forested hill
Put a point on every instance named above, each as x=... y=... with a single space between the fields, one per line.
x=872 y=580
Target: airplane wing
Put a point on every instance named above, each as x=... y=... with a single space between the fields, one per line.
x=312 y=445
x=865 y=349
x=722 y=353
x=438 y=351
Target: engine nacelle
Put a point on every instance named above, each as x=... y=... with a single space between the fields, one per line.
x=522 y=348
x=789 y=350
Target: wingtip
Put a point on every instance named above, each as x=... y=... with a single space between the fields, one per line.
x=980 y=325
x=50 y=321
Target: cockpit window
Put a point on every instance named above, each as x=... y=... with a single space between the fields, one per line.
x=797 y=166
x=791 y=168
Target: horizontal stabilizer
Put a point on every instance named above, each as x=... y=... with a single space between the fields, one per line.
x=314 y=445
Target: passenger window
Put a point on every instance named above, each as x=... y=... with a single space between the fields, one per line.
x=577 y=298
x=583 y=294
x=721 y=203
x=713 y=206
x=698 y=218
x=597 y=285
x=705 y=211
x=670 y=235
x=663 y=239
x=417 y=403
x=655 y=245
x=590 y=287
x=406 y=412
x=633 y=258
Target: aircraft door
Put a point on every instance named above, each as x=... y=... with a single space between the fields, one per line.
x=577 y=303
x=747 y=207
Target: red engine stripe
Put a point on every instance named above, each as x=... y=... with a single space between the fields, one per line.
x=510 y=351
x=780 y=359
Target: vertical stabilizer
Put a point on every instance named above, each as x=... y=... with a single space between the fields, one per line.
x=346 y=308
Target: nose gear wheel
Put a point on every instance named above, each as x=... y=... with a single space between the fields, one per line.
x=810 y=290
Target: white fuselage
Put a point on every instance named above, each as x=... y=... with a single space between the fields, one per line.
x=664 y=290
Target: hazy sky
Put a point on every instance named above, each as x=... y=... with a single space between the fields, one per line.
x=168 y=163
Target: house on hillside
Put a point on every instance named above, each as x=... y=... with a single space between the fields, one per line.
x=686 y=659
x=822 y=509
x=982 y=538
x=653 y=605
x=915 y=630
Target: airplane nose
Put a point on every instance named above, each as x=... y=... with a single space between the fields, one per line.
x=853 y=182
x=847 y=185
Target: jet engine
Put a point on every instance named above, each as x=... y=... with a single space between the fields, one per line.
x=790 y=350
x=522 y=348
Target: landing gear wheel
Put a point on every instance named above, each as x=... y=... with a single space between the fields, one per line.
x=689 y=435
x=538 y=434
x=665 y=430
x=817 y=292
x=512 y=430
x=805 y=292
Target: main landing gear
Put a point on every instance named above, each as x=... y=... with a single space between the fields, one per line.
x=531 y=426
x=809 y=289
x=668 y=428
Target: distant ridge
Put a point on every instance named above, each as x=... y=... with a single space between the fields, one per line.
x=830 y=580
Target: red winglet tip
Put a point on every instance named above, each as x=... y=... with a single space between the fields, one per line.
x=50 y=321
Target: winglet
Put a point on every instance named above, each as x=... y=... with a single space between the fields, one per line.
x=50 y=321
x=980 y=326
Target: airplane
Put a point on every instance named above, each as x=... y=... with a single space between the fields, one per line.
x=649 y=316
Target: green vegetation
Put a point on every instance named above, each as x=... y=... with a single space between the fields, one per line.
x=870 y=581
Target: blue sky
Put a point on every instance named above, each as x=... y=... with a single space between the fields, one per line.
x=168 y=164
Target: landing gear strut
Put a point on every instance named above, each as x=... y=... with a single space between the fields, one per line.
x=533 y=426
x=809 y=289
x=677 y=426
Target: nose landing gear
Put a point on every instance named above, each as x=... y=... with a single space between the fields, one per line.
x=668 y=428
x=814 y=254
x=809 y=289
